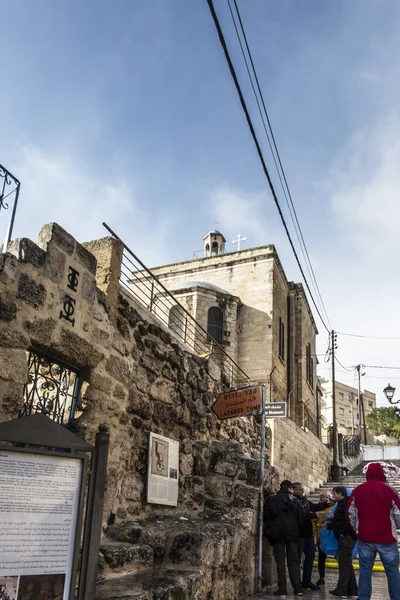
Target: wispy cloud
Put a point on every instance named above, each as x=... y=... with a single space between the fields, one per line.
x=61 y=189
x=366 y=175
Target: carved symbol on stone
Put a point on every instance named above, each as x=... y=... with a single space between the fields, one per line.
x=68 y=309
x=73 y=279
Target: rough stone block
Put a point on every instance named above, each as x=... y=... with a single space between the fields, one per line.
x=77 y=350
x=165 y=391
x=119 y=369
x=27 y=251
x=55 y=264
x=31 y=292
x=8 y=310
x=245 y=497
x=13 y=365
x=219 y=487
x=100 y=382
x=132 y=557
x=164 y=414
x=40 y=331
x=11 y=399
x=89 y=288
x=52 y=232
x=85 y=258
x=13 y=338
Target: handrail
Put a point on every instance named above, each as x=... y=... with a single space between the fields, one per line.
x=169 y=294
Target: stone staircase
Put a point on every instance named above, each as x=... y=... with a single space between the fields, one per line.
x=202 y=551
x=352 y=480
x=174 y=558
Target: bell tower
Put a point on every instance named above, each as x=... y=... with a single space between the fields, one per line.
x=214 y=243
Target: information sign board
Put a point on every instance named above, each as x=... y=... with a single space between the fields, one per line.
x=39 y=504
x=238 y=403
x=275 y=409
x=163 y=470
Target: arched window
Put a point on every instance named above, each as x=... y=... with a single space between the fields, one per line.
x=177 y=322
x=214 y=248
x=215 y=324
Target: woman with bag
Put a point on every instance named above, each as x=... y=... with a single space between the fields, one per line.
x=322 y=517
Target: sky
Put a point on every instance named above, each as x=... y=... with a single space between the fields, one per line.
x=124 y=111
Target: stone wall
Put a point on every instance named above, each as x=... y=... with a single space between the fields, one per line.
x=299 y=455
x=56 y=297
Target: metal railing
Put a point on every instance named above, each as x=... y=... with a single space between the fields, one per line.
x=351 y=445
x=146 y=288
x=9 y=190
x=197 y=254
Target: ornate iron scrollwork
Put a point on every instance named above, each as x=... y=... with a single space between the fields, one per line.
x=7 y=181
x=51 y=388
x=5 y=176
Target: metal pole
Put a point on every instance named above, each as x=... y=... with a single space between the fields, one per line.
x=359 y=403
x=94 y=517
x=335 y=466
x=363 y=417
x=11 y=225
x=261 y=509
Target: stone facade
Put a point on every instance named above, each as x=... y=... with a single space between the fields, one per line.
x=304 y=459
x=63 y=299
x=266 y=302
x=347 y=409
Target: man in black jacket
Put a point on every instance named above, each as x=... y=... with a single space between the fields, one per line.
x=306 y=539
x=345 y=535
x=283 y=516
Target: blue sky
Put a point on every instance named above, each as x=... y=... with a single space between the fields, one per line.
x=124 y=111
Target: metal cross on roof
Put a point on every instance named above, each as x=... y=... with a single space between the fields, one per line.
x=238 y=240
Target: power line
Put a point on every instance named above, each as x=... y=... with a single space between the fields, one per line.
x=258 y=148
x=371 y=337
x=346 y=368
x=285 y=188
x=380 y=367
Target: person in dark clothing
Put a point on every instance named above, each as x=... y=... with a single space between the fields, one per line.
x=345 y=535
x=306 y=540
x=283 y=517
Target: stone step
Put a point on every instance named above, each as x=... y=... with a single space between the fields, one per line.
x=124 y=557
x=172 y=584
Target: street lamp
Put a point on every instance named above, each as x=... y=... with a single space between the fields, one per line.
x=389 y=393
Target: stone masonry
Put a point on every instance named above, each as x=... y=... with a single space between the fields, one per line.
x=63 y=299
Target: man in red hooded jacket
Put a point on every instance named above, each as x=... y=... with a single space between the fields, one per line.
x=374 y=514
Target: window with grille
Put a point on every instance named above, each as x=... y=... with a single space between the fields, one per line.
x=177 y=322
x=281 y=339
x=309 y=365
x=52 y=388
x=215 y=324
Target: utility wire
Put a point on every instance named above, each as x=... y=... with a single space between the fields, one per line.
x=258 y=148
x=280 y=169
x=371 y=337
x=380 y=367
x=346 y=368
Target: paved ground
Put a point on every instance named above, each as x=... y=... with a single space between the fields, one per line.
x=379 y=588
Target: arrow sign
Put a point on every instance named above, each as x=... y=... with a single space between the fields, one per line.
x=239 y=403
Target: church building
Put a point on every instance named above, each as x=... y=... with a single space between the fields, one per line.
x=264 y=322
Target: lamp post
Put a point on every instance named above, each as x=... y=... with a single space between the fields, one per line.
x=389 y=393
